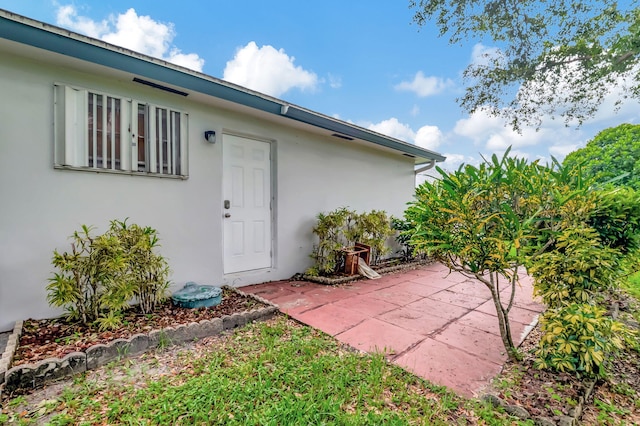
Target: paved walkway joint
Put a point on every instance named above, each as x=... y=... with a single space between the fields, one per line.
x=440 y=326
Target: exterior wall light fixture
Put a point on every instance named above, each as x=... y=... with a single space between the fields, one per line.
x=210 y=136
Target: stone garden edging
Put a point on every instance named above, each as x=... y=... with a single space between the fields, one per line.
x=523 y=414
x=381 y=271
x=10 y=349
x=31 y=376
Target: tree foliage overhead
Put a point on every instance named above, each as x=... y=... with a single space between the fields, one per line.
x=555 y=57
x=612 y=153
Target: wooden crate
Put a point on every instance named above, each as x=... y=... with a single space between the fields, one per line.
x=351 y=256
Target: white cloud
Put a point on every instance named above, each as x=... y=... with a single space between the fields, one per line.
x=415 y=111
x=394 y=128
x=560 y=151
x=482 y=55
x=67 y=16
x=429 y=137
x=335 y=82
x=478 y=126
x=138 y=33
x=268 y=70
x=425 y=86
x=454 y=161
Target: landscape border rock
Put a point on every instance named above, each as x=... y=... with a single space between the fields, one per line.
x=31 y=376
x=521 y=413
x=381 y=271
x=9 y=351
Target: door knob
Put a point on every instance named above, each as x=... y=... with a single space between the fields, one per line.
x=227 y=215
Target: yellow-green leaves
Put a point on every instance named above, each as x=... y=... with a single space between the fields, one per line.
x=576 y=338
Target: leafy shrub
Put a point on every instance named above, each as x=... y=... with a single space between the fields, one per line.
x=375 y=229
x=405 y=230
x=617 y=219
x=330 y=230
x=577 y=270
x=343 y=228
x=84 y=284
x=577 y=338
x=147 y=271
x=100 y=275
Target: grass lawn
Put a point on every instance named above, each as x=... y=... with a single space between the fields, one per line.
x=273 y=373
x=632 y=285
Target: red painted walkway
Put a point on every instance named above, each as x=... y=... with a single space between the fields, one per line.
x=440 y=326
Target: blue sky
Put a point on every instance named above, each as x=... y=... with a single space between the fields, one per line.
x=361 y=61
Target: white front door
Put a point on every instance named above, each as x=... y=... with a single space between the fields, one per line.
x=246 y=203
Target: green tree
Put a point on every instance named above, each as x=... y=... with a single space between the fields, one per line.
x=553 y=57
x=612 y=153
x=478 y=221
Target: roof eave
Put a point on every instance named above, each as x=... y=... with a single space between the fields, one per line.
x=24 y=30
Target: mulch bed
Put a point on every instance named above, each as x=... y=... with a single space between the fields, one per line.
x=54 y=338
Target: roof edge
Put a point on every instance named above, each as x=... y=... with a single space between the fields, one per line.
x=39 y=34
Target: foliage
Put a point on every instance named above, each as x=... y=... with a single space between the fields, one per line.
x=557 y=58
x=616 y=218
x=343 y=228
x=590 y=243
x=375 y=229
x=478 y=221
x=577 y=338
x=612 y=153
x=102 y=274
x=405 y=231
x=84 y=284
x=146 y=271
x=577 y=270
x=330 y=229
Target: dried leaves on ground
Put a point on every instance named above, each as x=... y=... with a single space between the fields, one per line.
x=49 y=338
x=545 y=393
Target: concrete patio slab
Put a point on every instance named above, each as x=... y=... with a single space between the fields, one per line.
x=373 y=335
x=448 y=366
x=414 y=320
x=441 y=326
x=331 y=319
x=367 y=305
x=482 y=344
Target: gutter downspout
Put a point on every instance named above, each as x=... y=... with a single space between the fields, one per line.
x=426 y=167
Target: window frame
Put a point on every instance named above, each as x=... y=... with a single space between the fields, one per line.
x=71 y=135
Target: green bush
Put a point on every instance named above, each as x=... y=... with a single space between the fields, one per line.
x=375 y=229
x=86 y=277
x=330 y=229
x=146 y=272
x=577 y=338
x=343 y=228
x=577 y=270
x=617 y=219
x=99 y=277
x=405 y=230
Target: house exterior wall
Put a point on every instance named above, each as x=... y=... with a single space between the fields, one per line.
x=40 y=207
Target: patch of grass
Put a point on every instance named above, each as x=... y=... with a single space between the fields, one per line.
x=632 y=285
x=272 y=373
x=606 y=411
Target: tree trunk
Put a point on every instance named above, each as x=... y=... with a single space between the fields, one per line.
x=503 y=318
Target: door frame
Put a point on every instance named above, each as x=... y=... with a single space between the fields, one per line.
x=274 y=206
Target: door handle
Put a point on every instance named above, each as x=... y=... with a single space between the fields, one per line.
x=227 y=215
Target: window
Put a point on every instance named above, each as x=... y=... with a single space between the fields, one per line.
x=100 y=132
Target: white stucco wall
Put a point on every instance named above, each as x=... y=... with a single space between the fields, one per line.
x=40 y=206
